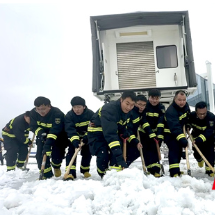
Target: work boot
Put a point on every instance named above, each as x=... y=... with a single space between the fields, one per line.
x=210 y=173
x=176 y=175
x=23 y=169
x=69 y=177
x=57 y=172
x=201 y=163
x=87 y=175
x=157 y=175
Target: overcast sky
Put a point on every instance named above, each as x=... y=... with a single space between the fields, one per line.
x=45 y=48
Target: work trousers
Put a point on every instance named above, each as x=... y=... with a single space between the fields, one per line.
x=16 y=152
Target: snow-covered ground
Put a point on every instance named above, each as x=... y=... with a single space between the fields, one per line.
x=125 y=192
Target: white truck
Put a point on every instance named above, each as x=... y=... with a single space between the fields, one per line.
x=142 y=50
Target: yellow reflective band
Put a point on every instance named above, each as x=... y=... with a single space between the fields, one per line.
x=7 y=134
x=128 y=120
x=207 y=168
x=149 y=166
x=72 y=167
x=117 y=168
x=145 y=125
x=11 y=167
x=86 y=168
x=167 y=130
x=160 y=125
x=47 y=125
x=20 y=161
x=180 y=136
x=131 y=138
x=26 y=135
x=99 y=113
x=160 y=136
x=113 y=144
x=82 y=124
x=198 y=127
x=74 y=138
x=136 y=120
x=26 y=140
x=122 y=123
x=102 y=172
x=176 y=165
x=182 y=116
x=152 y=114
x=154 y=130
x=55 y=164
x=140 y=129
x=203 y=137
x=47 y=169
x=52 y=136
x=152 y=135
x=11 y=122
x=37 y=130
x=156 y=164
x=92 y=129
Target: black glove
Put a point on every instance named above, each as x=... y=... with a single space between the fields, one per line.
x=43 y=137
x=47 y=150
x=183 y=142
x=125 y=135
x=121 y=162
x=85 y=140
x=29 y=142
x=198 y=140
x=76 y=143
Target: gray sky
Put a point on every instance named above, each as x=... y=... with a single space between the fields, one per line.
x=45 y=48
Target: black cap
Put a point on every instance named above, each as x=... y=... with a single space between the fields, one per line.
x=77 y=100
x=154 y=93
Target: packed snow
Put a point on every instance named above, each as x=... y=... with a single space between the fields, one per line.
x=123 y=193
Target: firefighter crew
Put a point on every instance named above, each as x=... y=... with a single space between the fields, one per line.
x=76 y=123
x=104 y=131
x=16 y=140
x=152 y=131
x=202 y=122
x=1 y=150
x=133 y=144
x=47 y=122
x=176 y=117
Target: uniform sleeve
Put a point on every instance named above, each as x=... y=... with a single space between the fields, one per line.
x=20 y=131
x=71 y=129
x=146 y=127
x=160 y=125
x=37 y=130
x=175 y=126
x=132 y=128
x=110 y=128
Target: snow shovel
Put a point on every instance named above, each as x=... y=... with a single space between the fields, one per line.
x=200 y=153
x=187 y=156
x=159 y=156
x=124 y=149
x=43 y=167
x=72 y=161
x=29 y=152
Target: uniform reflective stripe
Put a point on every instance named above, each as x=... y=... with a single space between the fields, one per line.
x=136 y=120
x=52 y=136
x=18 y=161
x=92 y=129
x=48 y=169
x=86 y=168
x=154 y=130
x=175 y=165
x=72 y=167
x=102 y=172
x=207 y=168
x=180 y=136
x=160 y=136
x=54 y=164
x=26 y=135
x=47 y=125
x=131 y=138
x=152 y=135
x=203 y=137
x=167 y=130
x=152 y=114
x=182 y=116
x=26 y=140
x=149 y=166
x=7 y=134
x=117 y=168
x=140 y=129
x=11 y=122
x=160 y=125
x=145 y=125
x=37 y=130
x=74 y=138
x=155 y=164
x=11 y=167
x=99 y=113
x=113 y=144
x=82 y=124
x=123 y=123
x=198 y=127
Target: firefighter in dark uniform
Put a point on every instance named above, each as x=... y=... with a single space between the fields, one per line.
x=1 y=150
x=76 y=123
x=16 y=140
x=202 y=122
x=133 y=144
x=176 y=117
x=104 y=131
x=152 y=131
x=47 y=122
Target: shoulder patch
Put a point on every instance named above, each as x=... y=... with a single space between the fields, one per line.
x=57 y=120
x=211 y=123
